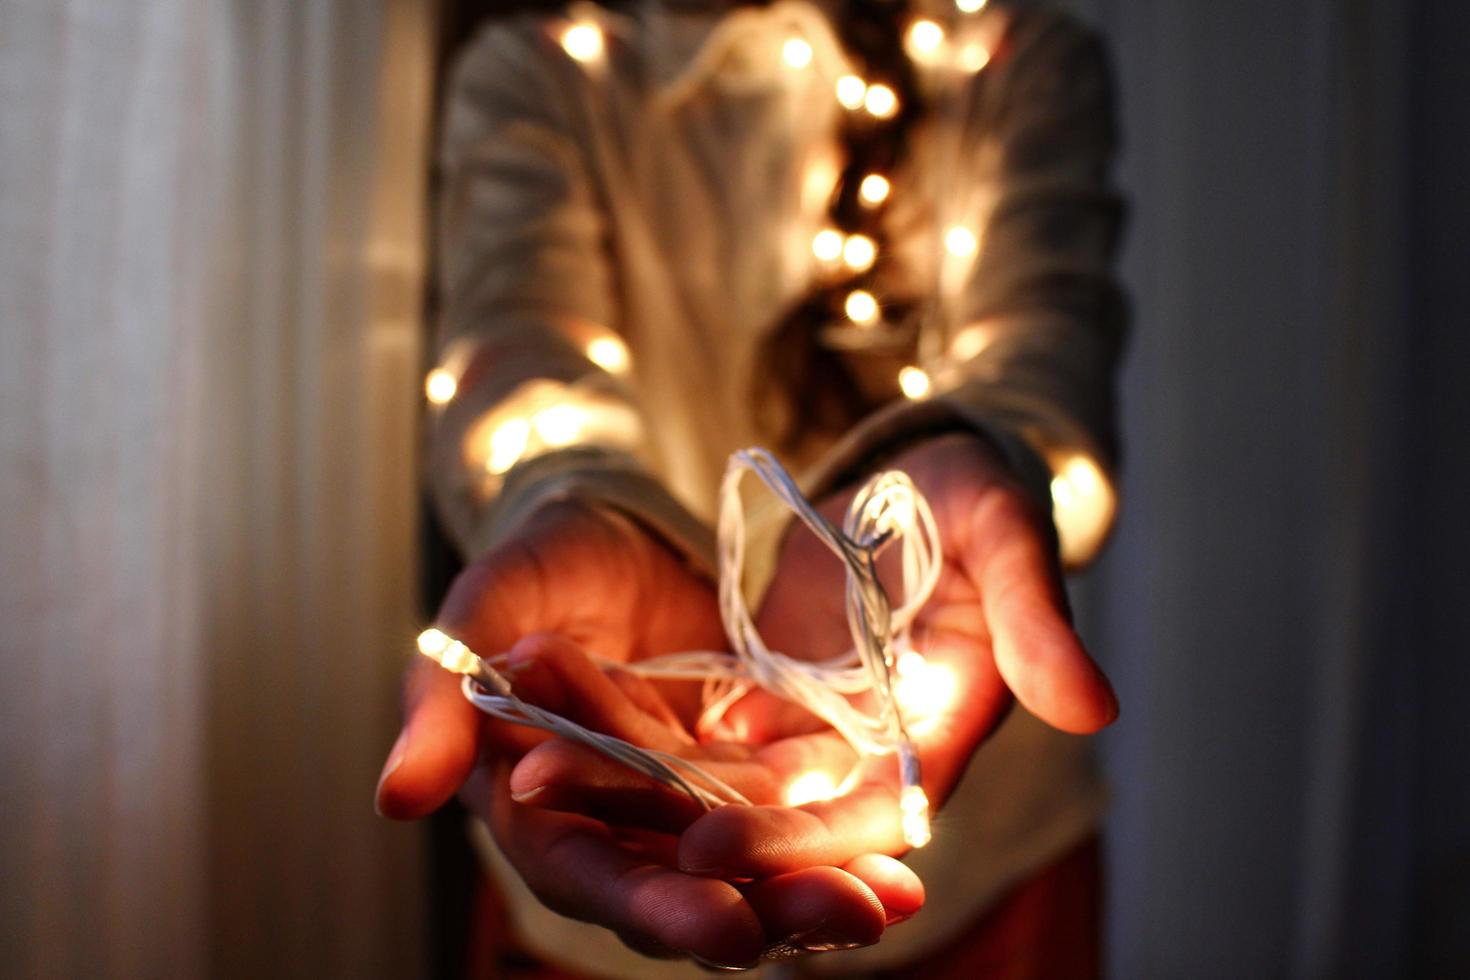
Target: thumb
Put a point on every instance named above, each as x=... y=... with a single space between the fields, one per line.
x=439 y=744
x=760 y=718
x=435 y=751
x=1039 y=656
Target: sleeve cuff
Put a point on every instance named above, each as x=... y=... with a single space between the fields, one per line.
x=1059 y=470
x=600 y=476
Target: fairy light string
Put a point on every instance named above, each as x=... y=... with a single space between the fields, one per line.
x=887 y=512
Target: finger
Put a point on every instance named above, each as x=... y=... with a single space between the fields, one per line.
x=561 y=678
x=574 y=866
x=817 y=910
x=567 y=776
x=951 y=701
x=439 y=742
x=647 y=697
x=649 y=846
x=762 y=717
x=436 y=748
x=644 y=946
x=570 y=778
x=807 y=767
x=563 y=775
x=761 y=841
x=1036 y=651
x=894 y=883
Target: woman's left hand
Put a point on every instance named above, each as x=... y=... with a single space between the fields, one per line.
x=997 y=628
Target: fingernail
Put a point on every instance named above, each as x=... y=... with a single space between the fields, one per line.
x=831 y=944
x=395 y=759
x=701 y=872
x=519 y=656
x=723 y=967
x=824 y=941
x=528 y=795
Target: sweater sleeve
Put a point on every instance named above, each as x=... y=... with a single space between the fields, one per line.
x=534 y=396
x=1039 y=315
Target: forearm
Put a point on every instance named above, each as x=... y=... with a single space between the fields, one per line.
x=1032 y=337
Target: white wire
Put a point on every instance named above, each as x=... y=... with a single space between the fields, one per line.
x=888 y=509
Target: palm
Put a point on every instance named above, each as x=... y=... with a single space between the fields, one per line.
x=580 y=580
x=804 y=616
x=577 y=579
x=996 y=622
x=573 y=570
x=590 y=575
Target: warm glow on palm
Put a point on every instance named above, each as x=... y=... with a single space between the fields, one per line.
x=578 y=581
x=997 y=624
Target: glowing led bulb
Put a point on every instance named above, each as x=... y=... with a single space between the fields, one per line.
x=827 y=245
x=810 y=787
x=911 y=664
x=874 y=189
x=897 y=517
x=859 y=252
x=913 y=382
x=507 y=443
x=861 y=307
x=1082 y=506
x=923 y=690
x=583 y=41
x=440 y=386
x=924 y=38
x=796 y=52
x=880 y=101
x=970 y=6
x=913 y=800
x=914 y=805
x=851 y=91
x=609 y=353
x=973 y=57
x=560 y=425
x=960 y=241
x=969 y=342
x=1082 y=474
x=433 y=642
x=447 y=652
x=1076 y=484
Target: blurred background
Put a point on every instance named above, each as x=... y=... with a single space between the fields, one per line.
x=212 y=263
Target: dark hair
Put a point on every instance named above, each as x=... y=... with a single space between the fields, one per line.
x=806 y=389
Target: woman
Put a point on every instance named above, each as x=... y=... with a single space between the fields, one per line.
x=866 y=235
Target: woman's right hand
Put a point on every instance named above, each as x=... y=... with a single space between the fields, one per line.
x=578 y=579
x=581 y=571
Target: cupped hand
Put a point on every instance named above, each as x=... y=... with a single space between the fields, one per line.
x=592 y=838
x=584 y=572
x=578 y=579
x=997 y=629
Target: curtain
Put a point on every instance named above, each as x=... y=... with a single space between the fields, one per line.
x=211 y=221
x=1283 y=603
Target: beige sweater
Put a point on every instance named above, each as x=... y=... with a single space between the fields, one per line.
x=629 y=209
